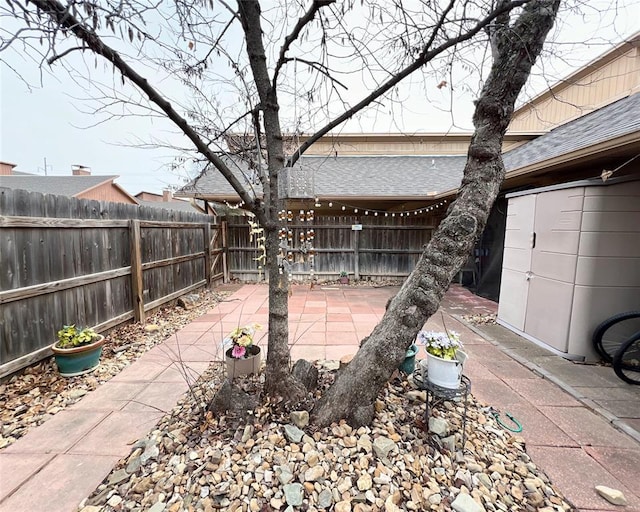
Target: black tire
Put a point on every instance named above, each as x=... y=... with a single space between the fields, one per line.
x=626 y=362
x=609 y=336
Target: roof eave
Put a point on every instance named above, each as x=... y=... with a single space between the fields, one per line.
x=629 y=139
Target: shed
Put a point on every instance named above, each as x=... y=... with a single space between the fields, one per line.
x=571 y=259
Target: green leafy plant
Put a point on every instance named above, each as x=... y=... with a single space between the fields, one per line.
x=343 y=274
x=440 y=344
x=71 y=336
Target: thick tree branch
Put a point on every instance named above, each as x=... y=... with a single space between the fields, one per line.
x=425 y=56
x=356 y=388
x=67 y=21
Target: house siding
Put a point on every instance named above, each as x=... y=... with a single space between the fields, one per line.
x=612 y=77
x=107 y=192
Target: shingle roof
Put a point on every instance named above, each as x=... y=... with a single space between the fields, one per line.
x=183 y=206
x=609 y=122
x=62 y=185
x=379 y=176
x=413 y=176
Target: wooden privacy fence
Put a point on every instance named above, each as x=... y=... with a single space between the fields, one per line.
x=365 y=247
x=69 y=261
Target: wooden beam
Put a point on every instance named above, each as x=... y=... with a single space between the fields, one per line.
x=62 y=284
x=51 y=222
x=174 y=260
x=167 y=298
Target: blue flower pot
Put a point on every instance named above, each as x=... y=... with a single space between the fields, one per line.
x=78 y=360
x=409 y=363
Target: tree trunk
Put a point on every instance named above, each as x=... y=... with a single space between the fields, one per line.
x=353 y=394
x=278 y=379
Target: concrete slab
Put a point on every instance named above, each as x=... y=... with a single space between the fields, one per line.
x=622 y=461
x=61 y=485
x=577 y=474
x=59 y=433
x=494 y=392
x=189 y=371
x=537 y=429
x=115 y=434
x=308 y=352
x=145 y=369
x=18 y=468
x=585 y=427
x=338 y=351
x=622 y=408
x=619 y=393
x=541 y=392
x=158 y=397
x=113 y=397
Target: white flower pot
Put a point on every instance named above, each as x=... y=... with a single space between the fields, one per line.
x=445 y=373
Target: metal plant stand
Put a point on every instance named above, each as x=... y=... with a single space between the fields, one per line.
x=434 y=391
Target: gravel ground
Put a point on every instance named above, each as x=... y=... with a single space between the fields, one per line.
x=35 y=394
x=193 y=461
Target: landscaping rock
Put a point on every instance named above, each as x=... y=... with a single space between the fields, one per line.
x=382 y=446
x=465 y=503
x=613 y=496
x=293 y=433
x=300 y=418
x=306 y=373
x=293 y=494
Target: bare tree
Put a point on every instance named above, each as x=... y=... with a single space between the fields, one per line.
x=391 y=44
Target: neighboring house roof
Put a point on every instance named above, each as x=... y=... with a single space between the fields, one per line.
x=61 y=185
x=183 y=206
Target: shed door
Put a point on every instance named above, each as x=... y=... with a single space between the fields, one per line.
x=514 y=285
x=558 y=216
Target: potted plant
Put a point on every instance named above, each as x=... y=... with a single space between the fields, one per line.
x=243 y=355
x=409 y=364
x=445 y=358
x=77 y=350
x=344 y=278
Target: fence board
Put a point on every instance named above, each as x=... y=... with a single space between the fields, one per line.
x=387 y=247
x=66 y=260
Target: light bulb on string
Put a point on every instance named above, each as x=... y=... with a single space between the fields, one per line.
x=355 y=210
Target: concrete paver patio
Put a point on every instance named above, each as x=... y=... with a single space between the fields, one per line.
x=570 y=435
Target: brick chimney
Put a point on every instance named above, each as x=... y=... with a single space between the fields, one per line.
x=6 y=169
x=167 y=195
x=80 y=170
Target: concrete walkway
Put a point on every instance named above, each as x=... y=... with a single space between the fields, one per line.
x=569 y=412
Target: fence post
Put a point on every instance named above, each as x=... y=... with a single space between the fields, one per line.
x=207 y=253
x=225 y=252
x=356 y=255
x=136 y=271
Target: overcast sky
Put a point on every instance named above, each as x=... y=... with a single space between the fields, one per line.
x=45 y=122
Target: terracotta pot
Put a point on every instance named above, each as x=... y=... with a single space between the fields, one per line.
x=78 y=360
x=243 y=366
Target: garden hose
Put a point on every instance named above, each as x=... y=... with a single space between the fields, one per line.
x=496 y=414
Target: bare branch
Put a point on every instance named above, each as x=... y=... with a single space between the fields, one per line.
x=425 y=56
x=66 y=20
x=304 y=20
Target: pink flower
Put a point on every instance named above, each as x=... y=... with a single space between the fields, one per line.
x=238 y=351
